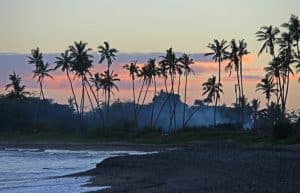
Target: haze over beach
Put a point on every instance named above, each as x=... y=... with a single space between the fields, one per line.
x=138 y=29
x=149 y=96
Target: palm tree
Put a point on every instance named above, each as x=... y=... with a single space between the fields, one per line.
x=108 y=83
x=268 y=35
x=133 y=69
x=267 y=86
x=96 y=80
x=293 y=27
x=17 y=90
x=65 y=62
x=273 y=71
x=153 y=72
x=186 y=63
x=218 y=53
x=41 y=70
x=81 y=64
x=241 y=53
x=286 y=55
x=212 y=90
x=234 y=64
x=171 y=65
x=108 y=54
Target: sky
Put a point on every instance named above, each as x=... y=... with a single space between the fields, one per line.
x=139 y=27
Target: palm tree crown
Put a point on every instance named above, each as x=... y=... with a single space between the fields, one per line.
x=268 y=35
x=107 y=53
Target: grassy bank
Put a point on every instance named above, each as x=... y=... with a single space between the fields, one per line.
x=142 y=137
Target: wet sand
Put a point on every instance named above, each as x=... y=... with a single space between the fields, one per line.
x=207 y=167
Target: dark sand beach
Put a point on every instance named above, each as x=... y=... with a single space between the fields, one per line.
x=203 y=167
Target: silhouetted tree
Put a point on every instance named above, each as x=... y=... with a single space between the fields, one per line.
x=108 y=83
x=41 y=70
x=212 y=90
x=133 y=69
x=267 y=87
x=268 y=35
x=218 y=53
x=17 y=90
x=108 y=54
x=81 y=64
x=65 y=63
x=186 y=63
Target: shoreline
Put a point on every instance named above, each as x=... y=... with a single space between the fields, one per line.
x=216 y=166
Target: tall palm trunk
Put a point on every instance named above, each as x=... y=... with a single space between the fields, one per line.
x=215 y=111
x=184 y=105
x=72 y=89
x=173 y=98
x=281 y=94
x=134 y=102
x=82 y=98
x=287 y=88
x=175 y=104
x=41 y=90
x=242 y=90
x=139 y=97
x=108 y=108
x=153 y=103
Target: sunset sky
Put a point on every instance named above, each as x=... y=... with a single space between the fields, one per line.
x=139 y=29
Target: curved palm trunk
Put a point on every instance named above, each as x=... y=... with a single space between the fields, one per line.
x=74 y=96
x=90 y=100
x=184 y=106
x=146 y=92
x=139 y=97
x=97 y=101
x=82 y=98
x=239 y=93
x=41 y=90
x=242 y=90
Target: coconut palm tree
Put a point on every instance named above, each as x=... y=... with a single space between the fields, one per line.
x=218 y=53
x=17 y=90
x=273 y=71
x=108 y=83
x=286 y=55
x=133 y=69
x=234 y=64
x=212 y=90
x=186 y=62
x=96 y=81
x=64 y=62
x=171 y=65
x=108 y=54
x=241 y=53
x=293 y=27
x=81 y=64
x=267 y=34
x=41 y=70
x=267 y=86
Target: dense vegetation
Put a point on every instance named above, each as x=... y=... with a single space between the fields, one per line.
x=166 y=112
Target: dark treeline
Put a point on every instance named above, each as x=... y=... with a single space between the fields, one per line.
x=167 y=111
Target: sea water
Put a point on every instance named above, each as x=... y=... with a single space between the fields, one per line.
x=32 y=170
